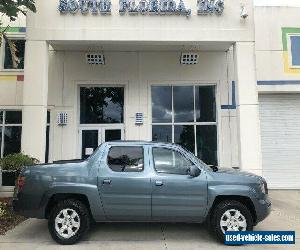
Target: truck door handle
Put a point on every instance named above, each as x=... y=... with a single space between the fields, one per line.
x=159 y=183
x=107 y=181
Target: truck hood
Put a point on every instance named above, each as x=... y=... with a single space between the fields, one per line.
x=237 y=172
x=231 y=176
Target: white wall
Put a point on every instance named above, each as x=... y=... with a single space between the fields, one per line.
x=137 y=71
x=49 y=24
x=269 y=22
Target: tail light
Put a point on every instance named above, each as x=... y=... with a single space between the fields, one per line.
x=20 y=183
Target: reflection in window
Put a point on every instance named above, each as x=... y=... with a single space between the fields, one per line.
x=13 y=117
x=47 y=138
x=205 y=103
x=8 y=62
x=12 y=140
x=112 y=134
x=101 y=105
x=207 y=144
x=184 y=135
x=178 y=115
x=169 y=161
x=161 y=104
x=162 y=133
x=126 y=159
x=89 y=142
x=10 y=132
x=183 y=104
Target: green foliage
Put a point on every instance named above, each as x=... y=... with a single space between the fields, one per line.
x=12 y=8
x=3 y=209
x=16 y=162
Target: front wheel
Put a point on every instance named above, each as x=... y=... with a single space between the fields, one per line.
x=230 y=216
x=69 y=220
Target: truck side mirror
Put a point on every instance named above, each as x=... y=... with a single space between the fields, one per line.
x=194 y=171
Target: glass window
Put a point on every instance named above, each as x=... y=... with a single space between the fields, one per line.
x=12 y=140
x=126 y=159
x=20 y=46
x=101 y=105
x=13 y=117
x=295 y=49
x=184 y=135
x=205 y=104
x=47 y=137
x=184 y=110
x=207 y=144
x=112 y=134
x=162 y=133
x=183 y=104
x=10 y=132
x=47 y=144
x=89 y=142
x=48 y=117
x=1 y=141
x=169 y=161
x=161 y=104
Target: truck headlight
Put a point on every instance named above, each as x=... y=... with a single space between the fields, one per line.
x=262 y=188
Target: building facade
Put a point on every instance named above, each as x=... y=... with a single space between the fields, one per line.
x=219 y=77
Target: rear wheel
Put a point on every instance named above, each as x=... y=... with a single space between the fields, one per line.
x=69 y=220
x=230 y=216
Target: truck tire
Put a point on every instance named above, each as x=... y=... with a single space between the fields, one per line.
x=232 y=215
x=69 y=220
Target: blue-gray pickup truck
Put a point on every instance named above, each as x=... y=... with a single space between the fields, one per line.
x=139 y=181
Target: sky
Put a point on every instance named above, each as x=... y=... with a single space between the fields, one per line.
x=277 y=2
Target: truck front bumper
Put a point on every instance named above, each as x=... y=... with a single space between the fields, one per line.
x=263 y=208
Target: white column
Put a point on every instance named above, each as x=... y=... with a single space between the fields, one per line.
x=247 y=108
x=35 y=95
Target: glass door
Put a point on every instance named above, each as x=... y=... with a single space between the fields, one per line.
x=91 y=138
x=101 y=116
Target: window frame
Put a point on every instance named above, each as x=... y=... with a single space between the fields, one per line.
x=14 y=36
x=194 y=123
x=175 y=150
x=3 y=125
x=123 y=146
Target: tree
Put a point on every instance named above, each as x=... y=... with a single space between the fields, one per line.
x=11 y=9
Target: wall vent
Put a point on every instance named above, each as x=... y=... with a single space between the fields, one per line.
x=62 y=118
x=189 y=58
x=95 y=59
x=139 y=118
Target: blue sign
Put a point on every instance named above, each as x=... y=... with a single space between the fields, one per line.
x=259 y=237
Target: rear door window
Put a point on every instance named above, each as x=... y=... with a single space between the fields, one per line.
x=126 y=159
